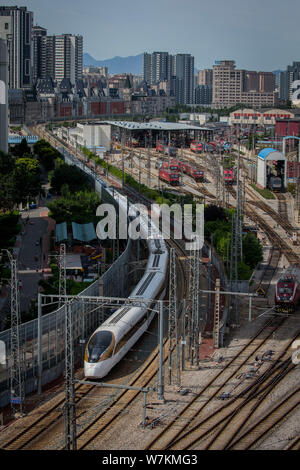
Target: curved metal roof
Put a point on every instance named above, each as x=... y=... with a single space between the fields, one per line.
x=155 y=125
x=264 y=154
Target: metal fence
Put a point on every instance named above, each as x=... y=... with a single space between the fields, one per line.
x=86 y=318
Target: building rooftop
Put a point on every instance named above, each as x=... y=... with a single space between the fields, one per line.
x=155 y=125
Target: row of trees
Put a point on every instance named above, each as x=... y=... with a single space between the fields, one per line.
x=218 y=226
x=19 y=180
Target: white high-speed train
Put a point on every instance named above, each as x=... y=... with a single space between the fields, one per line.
x=118 y=333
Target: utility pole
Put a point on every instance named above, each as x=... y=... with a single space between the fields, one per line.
x=173 y=317
x=217 y=315
x=140 y=155
x=17 y=386
x=236 y=240
x=62 y=273
x=70 y=411
x=194 y=311
x=148 y=167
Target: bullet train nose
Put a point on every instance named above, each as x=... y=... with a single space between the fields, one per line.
x=93 y=370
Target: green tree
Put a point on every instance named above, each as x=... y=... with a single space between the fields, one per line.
x=70 y=175
x=27 y=177
x=22 y=149
x=79 y=207
x=252 y=250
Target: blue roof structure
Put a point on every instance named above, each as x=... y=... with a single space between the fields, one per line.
x=264 y=153
x=17 y=139
x=83 y=232
x=61 y=232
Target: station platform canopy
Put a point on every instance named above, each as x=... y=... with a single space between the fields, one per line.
x=61 y=233
x=17 y=139
x=265 y=155
x=73 y=262
x=84 y=232
x=155 y=126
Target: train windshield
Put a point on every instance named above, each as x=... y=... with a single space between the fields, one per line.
x=174 y=168
x=285 y=290
x=98 y=344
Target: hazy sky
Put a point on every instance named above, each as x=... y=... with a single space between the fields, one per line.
x=257 y=34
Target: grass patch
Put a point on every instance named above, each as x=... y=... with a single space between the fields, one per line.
x=266 y=193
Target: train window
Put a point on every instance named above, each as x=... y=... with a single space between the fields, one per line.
x=285 y=290
x=98 y=344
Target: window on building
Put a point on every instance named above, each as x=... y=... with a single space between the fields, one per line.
x=6 y=26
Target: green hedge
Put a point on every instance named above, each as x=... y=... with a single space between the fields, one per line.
x=266 y=193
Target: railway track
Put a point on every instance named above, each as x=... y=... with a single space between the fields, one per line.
x=270 y=269
x=51 y=414
x=294 y=444
x=36 y=425
x=282 y=206
x=107 y=418
x=235 y=427
x=215 y=387
x=217 y=429
x=250 y=438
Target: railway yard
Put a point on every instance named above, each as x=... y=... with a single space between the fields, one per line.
x=244 y=395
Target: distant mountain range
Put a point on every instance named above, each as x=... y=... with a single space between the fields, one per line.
x=130 y=64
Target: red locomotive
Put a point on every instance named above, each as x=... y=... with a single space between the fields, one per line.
x=196 y=147
x=228 y=176
x=170 y=173
x=166 y=149
x=287 y=290
x=189 y=170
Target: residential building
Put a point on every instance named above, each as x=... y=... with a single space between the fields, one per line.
x=156 y=67
x=286 y=81
x=232 y=86
x=16 y=27
x=203 y=94
x=183 y=70
x=38 y=34
x=177 y=69
x=205 y=77
x=61 y=57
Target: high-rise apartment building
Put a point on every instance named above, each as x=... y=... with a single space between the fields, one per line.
x=156 y=67
x=232 y=86
x=203 y=94
x=61 y=57
x=286 y=80
x=38 y=34
x=177 y=69
x=183 y=70
x=205 y=77
x=266 y=82
x=16 y=27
